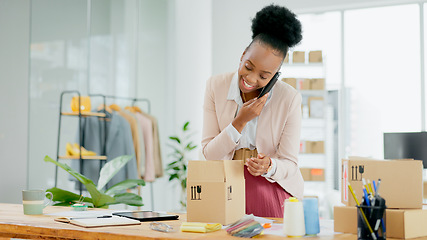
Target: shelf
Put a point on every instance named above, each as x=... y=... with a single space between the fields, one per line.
x=317 y=64
x=319 y=93
x=84 y=157
x=84 y=114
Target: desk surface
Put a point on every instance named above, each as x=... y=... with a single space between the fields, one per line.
x=14 y=224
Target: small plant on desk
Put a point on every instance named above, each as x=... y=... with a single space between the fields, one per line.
x=99 y=198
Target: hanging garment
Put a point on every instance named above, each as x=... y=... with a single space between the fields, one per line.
x=138 y=139
x=119 y=142
x=148 y=172
x=158 y=165
x=136 y=131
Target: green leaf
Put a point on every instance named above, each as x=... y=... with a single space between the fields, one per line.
x=98 y=198
x=66 y=196
x=126 y=184
x=185 y=128
x=172 y=163
x=175 y=139
x=131 y=199
x=190 y=147
x=110 y=169
x=71 y=171
x=176 y=168
x=173 y=176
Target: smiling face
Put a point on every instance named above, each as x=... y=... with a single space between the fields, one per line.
x=258 y=65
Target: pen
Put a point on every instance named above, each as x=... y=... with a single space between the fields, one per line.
x=364 y=184
x=375 y=186
x=371 y=188
x=105 y=216
x=378 y=187
x=361 y=212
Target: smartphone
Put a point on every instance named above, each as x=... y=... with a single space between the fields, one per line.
x=144 y=216
x=269 y=85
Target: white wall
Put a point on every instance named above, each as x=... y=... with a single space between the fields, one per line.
x=14 y=61
x=192 y=56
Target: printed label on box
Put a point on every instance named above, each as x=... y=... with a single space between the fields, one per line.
x=196 y=192
x=229 y=191
x=345 y=181
x=357 y=172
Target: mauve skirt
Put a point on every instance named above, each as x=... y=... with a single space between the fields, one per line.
x=263 y=198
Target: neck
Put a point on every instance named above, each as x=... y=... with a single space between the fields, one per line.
x=248 y=96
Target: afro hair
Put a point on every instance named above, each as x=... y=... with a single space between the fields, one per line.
x=278 y=27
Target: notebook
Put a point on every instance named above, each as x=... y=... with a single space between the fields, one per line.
x=99 y=221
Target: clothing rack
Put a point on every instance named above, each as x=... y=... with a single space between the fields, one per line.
x=102 y=158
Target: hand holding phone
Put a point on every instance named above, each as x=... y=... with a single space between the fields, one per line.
x=269 y=85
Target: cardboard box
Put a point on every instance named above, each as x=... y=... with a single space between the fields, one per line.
x=315 y=57
x=298 y=57
x=305 y=172
x=400 y=223
x=425 y=189
x=290 y=81
x=304 y=84
x=345 y=219
x=317 y=84
x=317 y=174
x=318 y=147
x=401 y=180
x=313 y=146
x=215 y=191
x=406 y=223
x=313 y=174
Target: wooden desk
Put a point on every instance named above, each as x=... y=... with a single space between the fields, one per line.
x=14 y=224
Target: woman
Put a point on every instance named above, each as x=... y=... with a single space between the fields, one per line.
x=264 y=132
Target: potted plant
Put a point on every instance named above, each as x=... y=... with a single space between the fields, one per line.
x=99 y=198
x=177 y=169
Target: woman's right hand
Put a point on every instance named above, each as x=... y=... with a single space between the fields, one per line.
x=250 y=110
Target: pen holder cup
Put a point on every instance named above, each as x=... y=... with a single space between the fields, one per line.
x=374 y=215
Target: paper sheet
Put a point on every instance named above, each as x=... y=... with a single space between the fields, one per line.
x=85 y=214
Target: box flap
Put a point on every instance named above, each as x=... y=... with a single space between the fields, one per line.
x=206 y=171
x=233 y=170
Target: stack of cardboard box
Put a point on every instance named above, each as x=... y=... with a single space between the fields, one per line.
x=306 y=83
x=401 y=187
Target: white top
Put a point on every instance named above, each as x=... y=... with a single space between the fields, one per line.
x=246 y=139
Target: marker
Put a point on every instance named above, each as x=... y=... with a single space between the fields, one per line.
x=370 y=187
x=378 y=187
x=361 y=212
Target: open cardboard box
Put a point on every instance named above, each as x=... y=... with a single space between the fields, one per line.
x=215 y=191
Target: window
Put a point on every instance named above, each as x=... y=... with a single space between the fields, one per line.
x=382 y=72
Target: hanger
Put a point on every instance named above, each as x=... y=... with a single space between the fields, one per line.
x=115 y=107
x=137 y=109
x=130 y=109
x=102 y=106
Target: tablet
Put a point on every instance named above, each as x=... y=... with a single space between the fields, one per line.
x=145 y=216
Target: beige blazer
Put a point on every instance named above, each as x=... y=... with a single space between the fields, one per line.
x=277 y=134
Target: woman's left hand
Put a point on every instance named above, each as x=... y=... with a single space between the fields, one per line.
x=258 y=166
